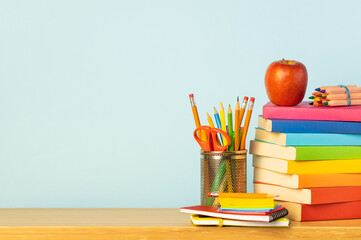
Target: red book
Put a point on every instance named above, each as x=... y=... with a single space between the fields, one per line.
x=332 y=211
x=304 y=111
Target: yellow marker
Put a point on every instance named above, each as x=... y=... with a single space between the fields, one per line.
x=223 y=122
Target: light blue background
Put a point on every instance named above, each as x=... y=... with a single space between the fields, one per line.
x=94 y=108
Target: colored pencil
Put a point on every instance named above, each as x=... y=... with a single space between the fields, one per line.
x=246 y=123
x=203 y=135
x=223 y=121
x=333 y=103
x=210 y=122
x=236 y=126
x=330 y=87
x=342 y=96
x=316 y=93
x=241 y=114
x=230 y=128
x=342 y=90
x=218 y=122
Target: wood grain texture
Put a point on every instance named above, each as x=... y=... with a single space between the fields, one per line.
x=150 y=224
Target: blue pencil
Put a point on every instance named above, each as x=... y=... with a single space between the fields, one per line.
x=218 y=122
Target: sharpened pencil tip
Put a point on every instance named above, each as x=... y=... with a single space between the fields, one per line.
x=237 y=98
x=317 y=89
x=326 y=103
x=323 y=91
x=312 y=97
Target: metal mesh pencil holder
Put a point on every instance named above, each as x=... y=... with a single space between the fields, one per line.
x=222 y=172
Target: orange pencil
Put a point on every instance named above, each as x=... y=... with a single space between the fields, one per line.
x=203 y=135
x=241 y=114
x=317 y=93
x=236 y=125
x=246 y=123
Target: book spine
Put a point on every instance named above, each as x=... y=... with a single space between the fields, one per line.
x=323 y=114
x=322 y=139
x=294 y=126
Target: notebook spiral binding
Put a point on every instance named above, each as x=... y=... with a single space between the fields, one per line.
x=278 y=214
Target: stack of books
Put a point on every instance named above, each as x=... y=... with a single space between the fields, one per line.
x=310 y=158
x=240 y=209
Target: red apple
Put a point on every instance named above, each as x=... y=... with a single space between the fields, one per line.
x=286 y=82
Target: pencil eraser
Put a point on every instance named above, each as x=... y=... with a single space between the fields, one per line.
x=245 y=98
x=252 y=99
x=191 y=95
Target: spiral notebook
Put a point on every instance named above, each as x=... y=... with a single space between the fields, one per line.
x=212 y=212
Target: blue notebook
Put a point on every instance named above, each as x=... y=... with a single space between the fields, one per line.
x=308 y=139
x=308 y=126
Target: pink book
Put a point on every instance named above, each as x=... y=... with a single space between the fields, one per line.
x=304 y=111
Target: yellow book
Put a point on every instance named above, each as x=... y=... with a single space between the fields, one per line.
x=307 y=167
x=246 y=202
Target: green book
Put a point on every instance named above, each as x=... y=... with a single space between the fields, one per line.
x=300 y=153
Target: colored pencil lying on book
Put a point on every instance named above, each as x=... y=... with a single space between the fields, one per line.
x=334 y=103
x=331 y=87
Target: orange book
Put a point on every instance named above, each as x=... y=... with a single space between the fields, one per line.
x=311 y=195
x=333 y=211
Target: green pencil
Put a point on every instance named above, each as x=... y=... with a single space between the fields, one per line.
x=230 y=129
x=217 y=182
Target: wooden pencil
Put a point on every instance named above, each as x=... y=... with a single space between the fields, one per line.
x=331 y=87
x=342 y=96
x=334 y=103
x=246 y=123
x=342 y=90
x=236 y=125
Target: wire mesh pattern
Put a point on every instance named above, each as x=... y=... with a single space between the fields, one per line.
x=222 y=172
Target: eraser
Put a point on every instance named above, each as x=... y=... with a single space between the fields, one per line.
x=191 y=95
x=252 y=99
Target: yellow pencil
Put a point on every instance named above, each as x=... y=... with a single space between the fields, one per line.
x=246 y=123
x=223 y=122
x=210 y=121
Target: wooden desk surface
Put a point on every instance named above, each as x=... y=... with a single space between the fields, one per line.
x=107 y=223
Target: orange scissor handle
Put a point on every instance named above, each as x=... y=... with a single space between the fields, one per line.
x=205 y=145
x=211 y=133
x=216 y=146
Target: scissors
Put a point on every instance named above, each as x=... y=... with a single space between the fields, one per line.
x=211 y=144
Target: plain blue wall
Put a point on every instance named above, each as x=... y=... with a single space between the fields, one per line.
x=94 y=94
